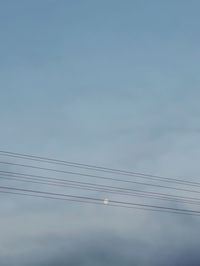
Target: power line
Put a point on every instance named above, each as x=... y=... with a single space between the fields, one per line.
x=98 y=177
x=100 y=201
x=96 y=185
x=108 y=191
x=22 y=177
x=143 y=194
x=97 y=168
x=96 y=203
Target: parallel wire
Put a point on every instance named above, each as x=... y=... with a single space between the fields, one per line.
x=194 y=201
x=96 y=185
x=98 y=177
x=98 y=168
x=113 y=203
x=197 y=202
x=96 y=203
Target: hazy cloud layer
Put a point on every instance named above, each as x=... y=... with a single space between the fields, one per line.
x=109 y=249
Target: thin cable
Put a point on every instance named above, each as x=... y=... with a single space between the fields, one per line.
x=108 y=191
x=67 y=181
x=96 y=203
x=98 y=177
x=98 y=168
x=135 y=193
x=122 y=203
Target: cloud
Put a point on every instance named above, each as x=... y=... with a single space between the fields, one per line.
x=107 y=249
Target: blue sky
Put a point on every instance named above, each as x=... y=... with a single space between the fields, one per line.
x=112 y=83
x=85 y=72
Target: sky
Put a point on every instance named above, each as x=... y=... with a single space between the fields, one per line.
x=112 y=83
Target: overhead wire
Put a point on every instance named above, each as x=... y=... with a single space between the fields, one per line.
x=112 y=203
x=96 y=203
x=69 y=181
x=64 y=183
x=143 y=194
x=97 y=177
x=97 y=168
x=138 y=195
